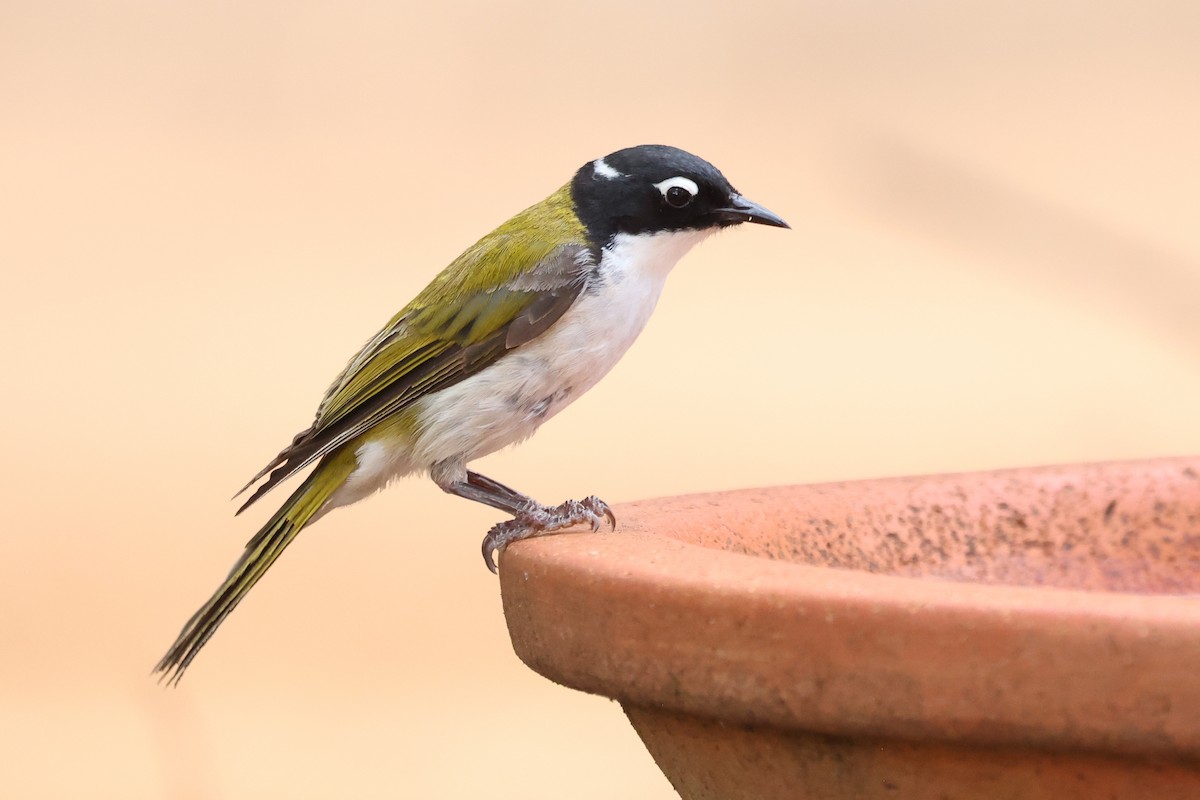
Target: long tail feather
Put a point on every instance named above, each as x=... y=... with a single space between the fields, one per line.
x=260 y=554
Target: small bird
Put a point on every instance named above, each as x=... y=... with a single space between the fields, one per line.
x=515 y=329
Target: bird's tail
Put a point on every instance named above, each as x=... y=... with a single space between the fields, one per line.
x=261 y=551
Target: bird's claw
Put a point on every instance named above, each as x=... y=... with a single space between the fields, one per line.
x=499 y=536
x=545 y=520
x=600 y=508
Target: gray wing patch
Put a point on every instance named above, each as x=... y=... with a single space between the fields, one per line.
x=540 y=315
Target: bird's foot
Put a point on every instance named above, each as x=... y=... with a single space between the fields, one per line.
x=542 y=520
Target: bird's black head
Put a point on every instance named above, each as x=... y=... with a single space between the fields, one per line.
x=654 y=188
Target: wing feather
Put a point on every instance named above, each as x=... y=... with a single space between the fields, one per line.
x=427 y=348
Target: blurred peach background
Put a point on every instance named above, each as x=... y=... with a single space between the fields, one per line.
x=207 y=207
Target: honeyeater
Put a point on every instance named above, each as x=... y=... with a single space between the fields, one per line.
x=516 y=328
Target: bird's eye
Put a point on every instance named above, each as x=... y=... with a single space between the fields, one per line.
x=678 y=197
x=678 y=191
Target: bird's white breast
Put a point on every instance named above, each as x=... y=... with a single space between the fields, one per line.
x=506 y=402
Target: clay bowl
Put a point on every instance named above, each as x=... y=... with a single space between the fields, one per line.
x=1031 y=633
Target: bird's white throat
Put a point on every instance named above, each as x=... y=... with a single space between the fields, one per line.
x=648 y=256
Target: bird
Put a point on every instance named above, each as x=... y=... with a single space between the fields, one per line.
x=520 y=325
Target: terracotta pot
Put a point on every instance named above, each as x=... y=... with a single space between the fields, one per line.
x=1021 y=634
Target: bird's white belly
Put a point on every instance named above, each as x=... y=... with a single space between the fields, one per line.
x=509 y=400
x=506 y=402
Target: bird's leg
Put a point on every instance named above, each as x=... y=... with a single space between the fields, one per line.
x=497 y=495
x=530 y=517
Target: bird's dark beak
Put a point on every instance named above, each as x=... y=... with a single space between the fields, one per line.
x=742 y=210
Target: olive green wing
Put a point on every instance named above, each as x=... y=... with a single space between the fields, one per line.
x=452 y=330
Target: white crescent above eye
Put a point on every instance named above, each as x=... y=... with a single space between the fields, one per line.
x=681 y=182
x=603 y=169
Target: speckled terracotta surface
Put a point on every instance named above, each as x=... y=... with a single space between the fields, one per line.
x=1029 y=630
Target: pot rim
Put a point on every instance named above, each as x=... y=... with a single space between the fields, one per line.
x=654 y=621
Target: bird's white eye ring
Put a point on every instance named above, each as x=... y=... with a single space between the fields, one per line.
x=678 y=191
